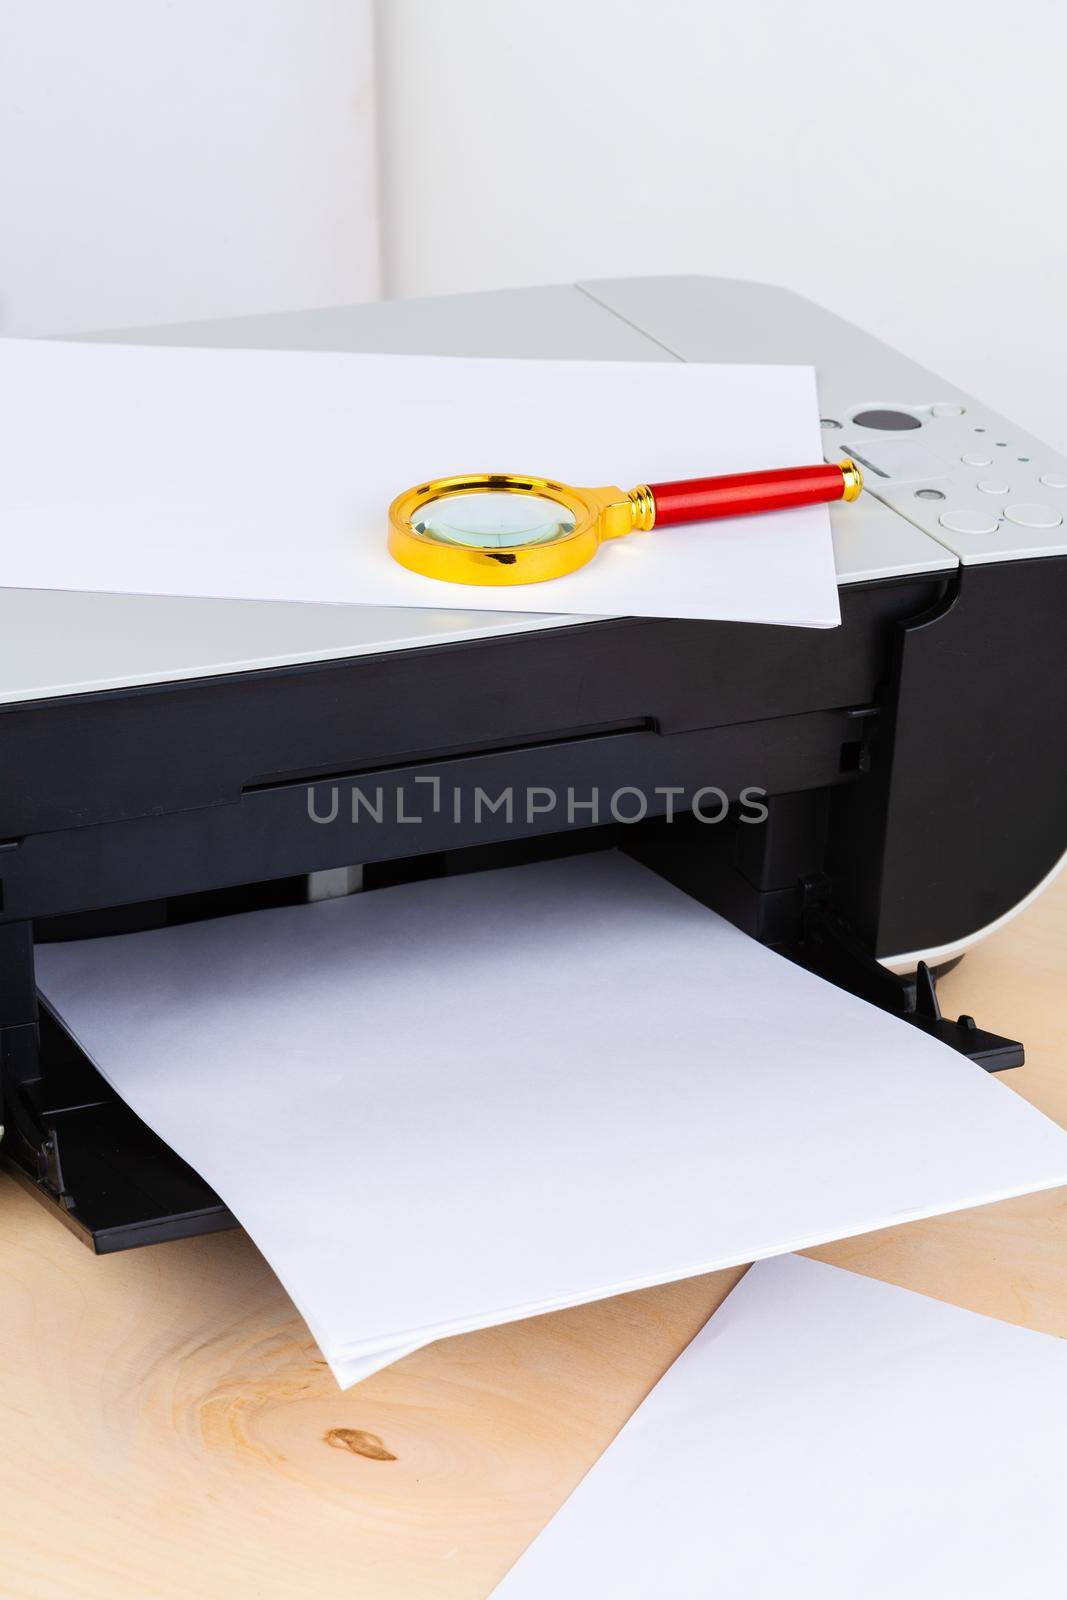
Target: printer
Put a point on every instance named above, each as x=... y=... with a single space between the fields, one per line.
x=163 y=760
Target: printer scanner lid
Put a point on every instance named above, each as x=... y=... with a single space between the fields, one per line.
x=58 y=643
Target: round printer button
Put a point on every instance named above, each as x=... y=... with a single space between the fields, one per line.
x=994 y=486
x=1054 y=480
x=975 y=460
x=946 y=409
x=1031 y=516
x=965 y=521
x=887 y=421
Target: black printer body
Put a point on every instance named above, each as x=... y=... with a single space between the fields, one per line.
x=867 y=799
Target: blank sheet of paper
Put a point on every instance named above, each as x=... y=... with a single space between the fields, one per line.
x=455 y=1103
x=267 y=475
x=827 y=1437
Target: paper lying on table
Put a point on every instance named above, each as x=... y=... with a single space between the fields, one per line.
x=267 y=475
x=826 y=1437
x=456 y=1103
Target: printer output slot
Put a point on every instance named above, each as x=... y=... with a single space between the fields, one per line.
x=357 y=769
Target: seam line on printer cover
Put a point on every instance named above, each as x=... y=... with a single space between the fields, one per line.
x=636 y=326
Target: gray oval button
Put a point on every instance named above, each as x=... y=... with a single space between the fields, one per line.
x=887 y=421
x=965 y=521
x=1054 y=480
x=1029 y=516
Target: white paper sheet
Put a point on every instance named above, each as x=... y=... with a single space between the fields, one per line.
x=827 y=1437
x=451 y=1104
x=267 y=475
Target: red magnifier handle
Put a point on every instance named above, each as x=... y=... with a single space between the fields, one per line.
x=742 y=493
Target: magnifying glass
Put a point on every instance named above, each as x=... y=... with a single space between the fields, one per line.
x=499 y=528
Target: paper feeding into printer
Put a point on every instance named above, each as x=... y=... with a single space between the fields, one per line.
x=267 y=475
x=455 y=1103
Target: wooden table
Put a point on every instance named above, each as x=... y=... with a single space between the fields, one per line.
x=169 y=1429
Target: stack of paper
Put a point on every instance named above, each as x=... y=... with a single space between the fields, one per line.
x=457 y=1103
x=827 y=1437
x=267 y=475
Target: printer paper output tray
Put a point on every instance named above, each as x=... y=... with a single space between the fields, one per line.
x=79 y=1147
x=74 y=1143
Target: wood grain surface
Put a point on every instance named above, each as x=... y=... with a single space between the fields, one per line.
x=169 y=1429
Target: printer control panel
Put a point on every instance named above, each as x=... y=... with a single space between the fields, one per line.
x=978 y=484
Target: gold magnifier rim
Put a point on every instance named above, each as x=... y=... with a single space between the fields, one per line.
x=507 y=564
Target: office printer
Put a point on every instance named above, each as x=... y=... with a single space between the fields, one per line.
x=164 y=760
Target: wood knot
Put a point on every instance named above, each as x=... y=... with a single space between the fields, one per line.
x=360 y=1443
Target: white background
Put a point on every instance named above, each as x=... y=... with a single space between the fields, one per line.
x=903 y=163
x=173 y=159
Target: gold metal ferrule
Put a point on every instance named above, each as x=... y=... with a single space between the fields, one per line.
x=644 y=508
x=853 y=478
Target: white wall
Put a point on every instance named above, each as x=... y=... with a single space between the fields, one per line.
x=171 y=159
x=904 y=162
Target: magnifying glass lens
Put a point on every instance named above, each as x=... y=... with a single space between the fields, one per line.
x=493 y=519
